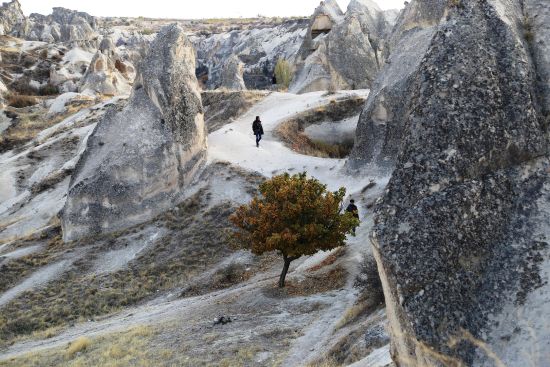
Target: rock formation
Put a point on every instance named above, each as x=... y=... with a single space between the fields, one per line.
x=11 y=17
x=342 y=51
x=259 y=49
x=138 y=161
x=63 y=25
x=380 y=129
x=462 y=234
x=108 y=74
x=232 y=76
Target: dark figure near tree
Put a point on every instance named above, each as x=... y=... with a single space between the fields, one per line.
x=352 y=208
x=258 y=130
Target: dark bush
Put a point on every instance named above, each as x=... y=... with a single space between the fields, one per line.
x=48 y=90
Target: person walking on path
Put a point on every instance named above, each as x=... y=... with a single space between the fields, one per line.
x=352 y=208
x=258 y=130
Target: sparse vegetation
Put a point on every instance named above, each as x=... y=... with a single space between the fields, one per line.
x=50 y=181
x=131 y=347
x=79 y=345
x=29 y=124
x=48 y=90
x=295 y=216
x=222 y=107
x=147 y=31
x=283 y=73
x=291 y=132
x=21 y=101
x=81 y=294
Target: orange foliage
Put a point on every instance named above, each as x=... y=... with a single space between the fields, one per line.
x=294 y=215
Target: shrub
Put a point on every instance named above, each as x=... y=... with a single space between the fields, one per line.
x=147 y=31
x=283 y=73
x=295 y=216
x=20 y=101
x=48 y=90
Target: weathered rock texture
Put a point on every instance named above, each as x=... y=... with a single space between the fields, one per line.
x=108 y=73
x=232 y=76
x=342 y=51
x=380 y=128
x=259 y=50
x=11 y=17
x=63 y=25
x=462 y=234
x=138 y=161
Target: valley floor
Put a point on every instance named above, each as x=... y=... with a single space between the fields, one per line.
x=308 y=323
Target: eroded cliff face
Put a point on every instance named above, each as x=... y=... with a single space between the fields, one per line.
x=258 y=50
x=380 y=128
x=461 y=235
x=11 y=17
x=138 y=160
x=342 y=51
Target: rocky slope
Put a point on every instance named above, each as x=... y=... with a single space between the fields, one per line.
x=461 y=235
x=11 y=17
x=258 y=49
x=138 y=161
x=380 y=130
x=342 y=51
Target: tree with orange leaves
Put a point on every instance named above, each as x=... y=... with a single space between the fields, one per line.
x=296 y=216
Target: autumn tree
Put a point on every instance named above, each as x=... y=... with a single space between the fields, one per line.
x=283 y=73
x=294 y=215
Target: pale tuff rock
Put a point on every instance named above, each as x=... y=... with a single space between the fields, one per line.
x=139 y=160
x=11 y=17
x=108 y=74
x=258 y=49
x=380 y=129
x=537 y=32
x=72 y=68
x=63 y=25
x=342 y=51
x=462 y=234
x=232 y=77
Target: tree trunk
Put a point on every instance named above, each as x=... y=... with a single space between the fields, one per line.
x=287 y=261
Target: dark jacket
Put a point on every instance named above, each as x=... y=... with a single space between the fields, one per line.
x=352 y=208
x=257 y=127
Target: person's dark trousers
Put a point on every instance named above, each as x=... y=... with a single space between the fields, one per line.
x=258 y=138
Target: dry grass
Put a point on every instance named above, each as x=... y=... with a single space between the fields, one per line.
x=326 y=362
x=223 y=106
x=80 y=295
x=50 y=181
x=291 y=132
x=130 y=348
x=21 y=101
x=331 y=259
x=30 y=124
x=321 y=282
x=352 y=314
x=79 y=345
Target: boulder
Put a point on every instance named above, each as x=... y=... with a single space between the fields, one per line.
x=232 y=77
x=462 y=233
x=138 y=161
